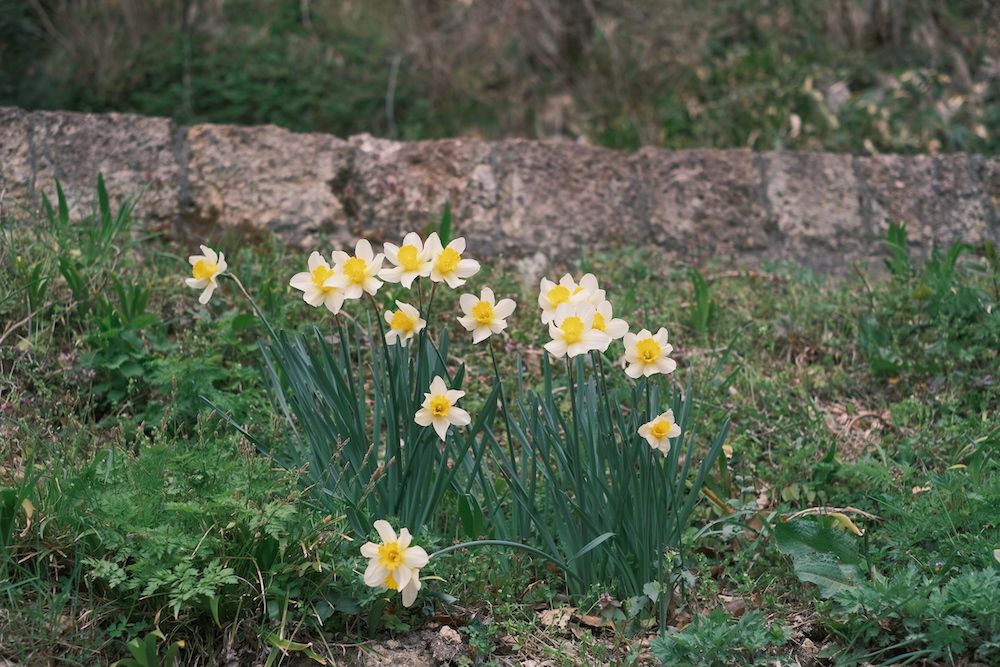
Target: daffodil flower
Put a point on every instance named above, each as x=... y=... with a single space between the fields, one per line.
x=552 y=295
x=588 y=290
x=439 y=408
x=404 y=324
x=410 y=261
x=573 y=333
x=320 y=285
x=448 y=265
x=484 y=316
x=646 y=354
x=359 y=270
x=205 y=268
x=604 y=320
x=394 y=564
x=659 y=432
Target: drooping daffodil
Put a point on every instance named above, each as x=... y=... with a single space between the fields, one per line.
x=205 y=270
x=394 y=564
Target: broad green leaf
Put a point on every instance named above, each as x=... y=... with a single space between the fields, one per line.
x=822 y=553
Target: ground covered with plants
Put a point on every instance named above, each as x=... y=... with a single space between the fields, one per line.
x=198 y=483
x=840 y=75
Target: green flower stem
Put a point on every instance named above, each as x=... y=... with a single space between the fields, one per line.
x=503 y=406
x=253 y=304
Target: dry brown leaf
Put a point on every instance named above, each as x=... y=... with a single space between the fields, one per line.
x=597 y=621
x=556 y=617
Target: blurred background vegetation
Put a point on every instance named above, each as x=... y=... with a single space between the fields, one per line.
x=844 y=75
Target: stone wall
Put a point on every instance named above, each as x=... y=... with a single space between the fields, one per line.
x=512 y=197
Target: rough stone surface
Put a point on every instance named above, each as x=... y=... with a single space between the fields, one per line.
x=942 y=199
x=135 y=154
x=532 y=201
x=16 y=162
x=813 y=201
x=705 y=202
x=264 y=178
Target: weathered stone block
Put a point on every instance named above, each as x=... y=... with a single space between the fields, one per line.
x=265 y=178
x=557 y=197
x=704 y=202
x=16 y=168
x=941 y=199
x=135 y=154
x=813 y=199
x=388 y=188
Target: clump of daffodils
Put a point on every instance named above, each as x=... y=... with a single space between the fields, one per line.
x=394 y=564
x=439 y=409
x=579 y=316
x=205 y=270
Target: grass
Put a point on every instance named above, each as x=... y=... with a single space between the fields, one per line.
x=126 y=505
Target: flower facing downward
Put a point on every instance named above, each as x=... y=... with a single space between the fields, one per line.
x=659 y=432
x=439 y=408
x=410 y=261
x=646 y=354
x=573 y=333
x=448 y=265
x=605 y=321
x=360 y=270
x=394 y=564
x=205 y=268
x=320 y=285
x=484 y=316
x=404 y=324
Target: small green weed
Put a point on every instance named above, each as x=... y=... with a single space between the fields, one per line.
x=715 y=640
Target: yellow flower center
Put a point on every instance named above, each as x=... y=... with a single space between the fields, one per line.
x=558 y=294
x=572 y=329
x=439 y=406
x=402 y=322
x=448 y=260
x=320 y=275
x=482 y=312
x=390 y=555
x=648 y=350
x=204 y=270
x=409 y=259
x=390 y=583
x=599 y=323
x=660 y=429
x=356 y=269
